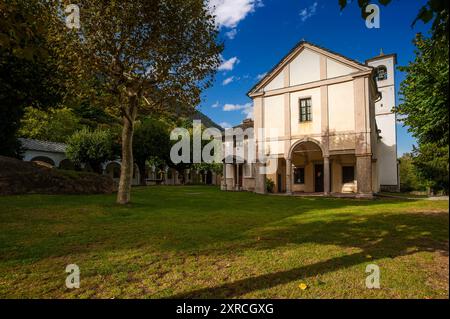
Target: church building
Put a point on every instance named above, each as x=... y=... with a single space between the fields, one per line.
x=329 y=123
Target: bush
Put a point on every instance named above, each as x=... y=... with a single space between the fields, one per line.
x=409 y=177
x=91 y=148
x=270 y=185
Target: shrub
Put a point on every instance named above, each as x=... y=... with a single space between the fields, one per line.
x=91 y=148
x=270 y=185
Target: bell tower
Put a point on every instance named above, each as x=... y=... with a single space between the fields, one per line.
x=388 y=174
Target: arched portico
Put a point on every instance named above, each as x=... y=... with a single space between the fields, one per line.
x=112 y=169
x=303 y=141
x=307 y=167
x=233 y=173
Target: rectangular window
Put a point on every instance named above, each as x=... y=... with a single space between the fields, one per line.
x=348 y=174
x=299 y=175
x=305 y=110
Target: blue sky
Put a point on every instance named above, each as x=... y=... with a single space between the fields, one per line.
x=258 y=33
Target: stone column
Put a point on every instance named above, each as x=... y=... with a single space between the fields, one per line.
x=288 y=176
x=237 y=177
x=224 y=176
x=364 y=176
x=326 y=175
x=260 y=179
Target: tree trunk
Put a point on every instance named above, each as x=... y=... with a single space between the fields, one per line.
x=126 y=172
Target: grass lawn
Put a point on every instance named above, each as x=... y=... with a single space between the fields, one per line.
x=404 y=195
x=177 y=242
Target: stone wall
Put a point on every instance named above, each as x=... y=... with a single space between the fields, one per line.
x=18 y=177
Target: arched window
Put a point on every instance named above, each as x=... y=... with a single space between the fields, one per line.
x=381 y=73
x=113 y=169
x=43 y=160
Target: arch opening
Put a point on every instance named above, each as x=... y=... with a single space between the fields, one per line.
x=113 y=169
x=43 y=160
x=307 y=167
x=381 y=73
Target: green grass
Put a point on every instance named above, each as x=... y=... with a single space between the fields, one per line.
x=179 y=242
x=404 y=195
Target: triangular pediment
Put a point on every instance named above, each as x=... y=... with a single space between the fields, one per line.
x=303 y=65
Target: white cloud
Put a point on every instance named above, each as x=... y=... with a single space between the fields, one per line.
x=215 y=105
x=246 y=108
x=234 y=107
x=260 y=76
x=228 y=80
x=229 y=13
x=228 y=65
x=231 y=34
x=225 y=125
x=248 y=112
x=308 y=12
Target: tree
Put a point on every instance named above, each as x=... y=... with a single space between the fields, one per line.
x=431 y=163
x=424 y=92
x=148 y=54
x=409 y=177
x=91 y=148
x=28 y=74
x=204 y=168
x=55 y=124
x=424 y=106
x=151 y=140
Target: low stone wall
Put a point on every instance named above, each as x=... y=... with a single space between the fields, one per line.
x=18 y=177
x=390 y=188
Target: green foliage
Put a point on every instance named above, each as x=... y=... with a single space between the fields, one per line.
x=204 y=167
x=409 y=178
x=431 y=162
x=425 y=92
x=437 y=10
x=270 y=185
x=163 y=50
x=91 y=148
x=55 y=124
x=147 y=56
x=151 y=141
x=31 y=71
x=93 y=115
x=425 y=108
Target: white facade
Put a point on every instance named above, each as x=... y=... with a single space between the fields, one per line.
x=386 y=122
x=327 y=123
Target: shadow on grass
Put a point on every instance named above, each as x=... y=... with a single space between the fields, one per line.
x=380 y=236
x=178 y=219
x=168 y=219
